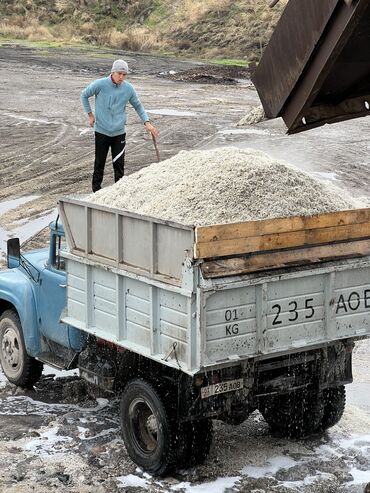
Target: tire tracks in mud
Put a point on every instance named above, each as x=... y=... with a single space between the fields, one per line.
x=62 y=164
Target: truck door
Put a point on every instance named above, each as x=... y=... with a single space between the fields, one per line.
x=52 y=298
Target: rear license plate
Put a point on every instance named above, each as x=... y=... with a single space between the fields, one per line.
x=221 y=388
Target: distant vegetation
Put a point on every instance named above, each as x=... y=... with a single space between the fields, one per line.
x=212 y=29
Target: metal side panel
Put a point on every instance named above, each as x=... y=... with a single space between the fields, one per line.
x=285 y=315
x=144 y=245
x=148 y=319
x=76 y=291
x=230 y=324
x=352 y=306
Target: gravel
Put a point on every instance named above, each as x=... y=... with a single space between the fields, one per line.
x=222 y=185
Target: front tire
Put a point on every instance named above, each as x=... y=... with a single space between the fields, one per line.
x=149 y=428
x=18 y=367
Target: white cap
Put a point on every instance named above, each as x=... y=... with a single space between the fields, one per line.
x=119 y=66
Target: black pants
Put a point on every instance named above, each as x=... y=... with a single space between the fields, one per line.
x=102 y=145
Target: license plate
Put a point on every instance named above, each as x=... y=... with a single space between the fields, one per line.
x=221 y=388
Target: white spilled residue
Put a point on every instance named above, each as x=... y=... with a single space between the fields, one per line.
x=16 y=405
x=355 y=450
x=307 y=481
x=84 y=131
x=272 y=467
x=359 y=477
x=84 y=433
x=170 y=72
x=170 y=112
x=48 y=370
x=3 y=380
x=35 y=120
x=218 y=486
x=48 y=443
x=132 y=481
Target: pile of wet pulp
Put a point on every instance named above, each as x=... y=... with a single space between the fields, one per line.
x=255 y=115
x=222 y=185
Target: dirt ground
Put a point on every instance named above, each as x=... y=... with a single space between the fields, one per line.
x=47 y=148
x=57 y=437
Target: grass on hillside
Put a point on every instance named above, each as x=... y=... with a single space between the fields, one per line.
x=232 y=31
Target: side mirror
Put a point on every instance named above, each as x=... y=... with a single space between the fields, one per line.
x=13 y=253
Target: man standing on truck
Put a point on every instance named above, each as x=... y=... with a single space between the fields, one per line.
x=112 y=94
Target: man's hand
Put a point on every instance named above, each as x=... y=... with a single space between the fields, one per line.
x=151 y=129
x=91 y=119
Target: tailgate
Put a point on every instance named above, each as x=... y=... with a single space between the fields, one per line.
x=287 y=312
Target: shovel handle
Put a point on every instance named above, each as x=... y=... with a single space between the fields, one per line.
x=156 y=148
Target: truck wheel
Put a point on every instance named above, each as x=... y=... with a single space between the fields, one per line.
x=334 y=405
x=294 y=415
x=18 y=367
x=148 y=428
x=198 y=438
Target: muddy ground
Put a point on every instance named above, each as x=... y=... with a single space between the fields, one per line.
x=58 y=437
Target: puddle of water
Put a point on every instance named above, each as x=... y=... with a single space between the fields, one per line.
x=29 y=228
x=25 y=229
x=169 y=112
x=7 y=205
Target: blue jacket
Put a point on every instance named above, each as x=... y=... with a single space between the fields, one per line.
x=110 y=105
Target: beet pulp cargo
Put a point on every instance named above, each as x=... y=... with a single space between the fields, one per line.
x=193 y=323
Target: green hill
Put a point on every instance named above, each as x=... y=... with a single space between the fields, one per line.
x=203 y=28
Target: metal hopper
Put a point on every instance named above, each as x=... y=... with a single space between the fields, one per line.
x=316 y=68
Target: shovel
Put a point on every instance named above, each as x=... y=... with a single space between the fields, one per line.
x=156 y=148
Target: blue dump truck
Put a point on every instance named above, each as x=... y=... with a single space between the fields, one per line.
x=187 y=324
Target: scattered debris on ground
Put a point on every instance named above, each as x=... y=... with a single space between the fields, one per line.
x=210 y=74
x=256 y=115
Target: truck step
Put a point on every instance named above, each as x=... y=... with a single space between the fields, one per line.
x=55 y=361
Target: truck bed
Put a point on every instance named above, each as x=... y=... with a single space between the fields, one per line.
x=180 y=315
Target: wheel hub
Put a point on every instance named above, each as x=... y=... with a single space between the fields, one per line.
x=144 y=425
x=10 y=348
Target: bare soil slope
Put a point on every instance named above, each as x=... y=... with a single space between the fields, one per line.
x=212 y=28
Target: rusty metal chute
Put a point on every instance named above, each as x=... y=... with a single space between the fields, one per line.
x=316 y=68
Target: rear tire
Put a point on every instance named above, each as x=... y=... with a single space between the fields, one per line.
x=149 y=429
x=334 y=405
x=18 y=367
x=197 y=436
x=295 y=415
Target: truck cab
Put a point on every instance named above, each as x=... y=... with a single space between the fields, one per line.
x=32 y=299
